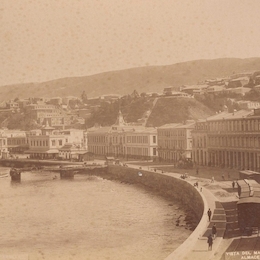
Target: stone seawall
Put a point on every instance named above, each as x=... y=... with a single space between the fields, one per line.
x=164 y=184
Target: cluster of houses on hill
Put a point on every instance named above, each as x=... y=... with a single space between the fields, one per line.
x=224 y=140
x=237 y=83
x=71 y=112
x=60 y=113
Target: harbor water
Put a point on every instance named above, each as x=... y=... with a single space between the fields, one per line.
x=44 y=217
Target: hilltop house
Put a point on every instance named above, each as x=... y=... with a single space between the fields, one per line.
x=194 y=89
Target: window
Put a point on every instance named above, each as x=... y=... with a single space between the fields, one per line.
x=52 y=142
x=154 y=151
x=154 y=139
x=60 y=142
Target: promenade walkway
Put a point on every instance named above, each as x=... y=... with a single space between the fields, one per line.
x=195 y=247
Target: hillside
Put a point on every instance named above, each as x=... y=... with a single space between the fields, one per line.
x=177 y=110
x=143 y=79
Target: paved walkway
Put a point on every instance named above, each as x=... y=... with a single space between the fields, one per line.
x=195 y=247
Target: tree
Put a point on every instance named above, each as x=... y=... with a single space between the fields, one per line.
x=84 y=97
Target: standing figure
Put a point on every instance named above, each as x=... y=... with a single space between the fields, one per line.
x=197 y=171
x=209 y=214
x=233 y=185
x=212 y=179
x=214 y=231
x=210 y=242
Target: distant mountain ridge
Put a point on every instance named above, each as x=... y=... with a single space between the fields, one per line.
x=143 y=79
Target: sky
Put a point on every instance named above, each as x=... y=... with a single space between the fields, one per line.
x=42 y=40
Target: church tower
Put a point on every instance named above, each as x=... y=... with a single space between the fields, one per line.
x=120 y=119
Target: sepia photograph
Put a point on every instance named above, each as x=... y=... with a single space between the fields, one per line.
x=129 y=129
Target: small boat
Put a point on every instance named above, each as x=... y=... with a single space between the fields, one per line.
x=15 y=174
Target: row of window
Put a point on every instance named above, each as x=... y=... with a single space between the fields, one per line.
x=44 y=143
x=226 y=141
x=140 y=151
x=248 y=124
x=171 y=132
x=16 y=141
x=139 y=139
x=199 y=141
x=172 y=144
x=235 y=125
x=119 y=139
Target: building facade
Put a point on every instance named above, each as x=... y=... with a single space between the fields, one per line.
x=228 y=140
x=175 y=142
x=123 y=140
x=44 y=113
x=12 y=141
x=49 y=143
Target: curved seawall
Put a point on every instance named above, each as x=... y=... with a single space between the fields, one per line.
x=172 y=187
x=164 y=184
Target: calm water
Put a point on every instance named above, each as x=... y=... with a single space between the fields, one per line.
x=86 y=218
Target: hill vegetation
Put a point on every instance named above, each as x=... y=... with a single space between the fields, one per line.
x=144 y=79
x=131 y=108
x=18 y=121
x=177 y=110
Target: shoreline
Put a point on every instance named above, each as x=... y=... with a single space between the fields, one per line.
x=205 y=183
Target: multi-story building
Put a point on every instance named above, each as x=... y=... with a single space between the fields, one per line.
x=123 y=140
x=43 y=113
x=200 y=142
x=76 y=144
x=12 y=141
x=46 y=144
x=175 y=141
x=76 y=137
x=228 y=140
x=49 y=143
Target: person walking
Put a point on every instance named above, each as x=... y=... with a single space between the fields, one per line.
x=209 y=214
x=210 y=242
x=214 y=231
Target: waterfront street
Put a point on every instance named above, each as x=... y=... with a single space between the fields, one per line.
x=195 y=247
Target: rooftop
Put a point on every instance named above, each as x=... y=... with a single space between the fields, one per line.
x=235 y=115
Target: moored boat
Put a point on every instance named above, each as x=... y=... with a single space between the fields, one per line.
x=15 y=174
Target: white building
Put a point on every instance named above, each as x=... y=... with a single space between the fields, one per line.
x=50 y=143
x=123 y=140
x=175 y=141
